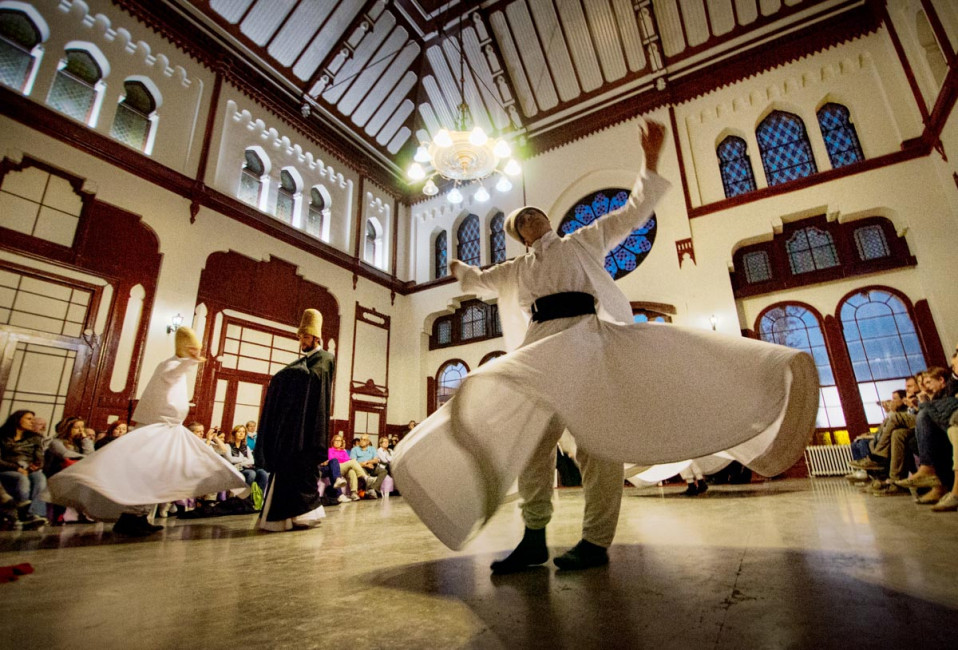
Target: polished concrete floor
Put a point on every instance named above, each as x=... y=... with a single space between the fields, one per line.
x=785 y=564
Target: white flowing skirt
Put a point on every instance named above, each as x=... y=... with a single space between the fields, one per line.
x=156 y=463
x=641 y=393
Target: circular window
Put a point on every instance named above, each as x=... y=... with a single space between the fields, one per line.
x=626 y=257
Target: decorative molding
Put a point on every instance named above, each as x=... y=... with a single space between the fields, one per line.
x=685 y=247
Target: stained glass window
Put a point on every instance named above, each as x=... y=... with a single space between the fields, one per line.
x=871 y=243
x=18 y=38
x=497 y=238
x=316 y=213
x=444 y=332
x=468 y=235
x=440 y=254
x=132 y=124
x=451 y=375
x=882 y=344
x=811 y=249
x=250 y=178
x=735 y=167
x=626 y=257
x=285 y=201
x=74 y=91
x=796 y=327
x=757 y=267
x=369 y=249
x=841 y=139
x=783 y=143
x=473 y=323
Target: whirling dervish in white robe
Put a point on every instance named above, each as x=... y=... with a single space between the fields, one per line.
x=639 y=393
x=157 y=462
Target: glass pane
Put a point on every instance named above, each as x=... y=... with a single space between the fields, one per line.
x=72 y=96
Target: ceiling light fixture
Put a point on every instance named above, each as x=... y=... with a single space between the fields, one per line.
x=463 y=155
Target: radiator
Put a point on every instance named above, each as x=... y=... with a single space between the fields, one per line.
x=828 y=460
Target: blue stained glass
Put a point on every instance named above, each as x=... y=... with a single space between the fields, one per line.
x=735 y=167
x=628 y=255
x=468 y=234
x=497 y=239
x=783 y=144
x=440 y=254
x=841 y=139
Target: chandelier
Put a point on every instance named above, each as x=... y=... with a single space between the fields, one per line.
x=463 y=155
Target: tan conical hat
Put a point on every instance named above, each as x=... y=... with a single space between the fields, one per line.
x=186 y=338
x=311 y=324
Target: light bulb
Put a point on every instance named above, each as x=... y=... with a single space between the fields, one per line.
x=478 y=137
x=512 y=168
x=442 y=139
x=422 y=154
x=502 y=149
x=416 y=172
x=454 y=196
x=481 y=195
x=430 y=189
x=503 y=185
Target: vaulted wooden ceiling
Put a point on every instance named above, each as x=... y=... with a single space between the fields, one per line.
x=385 y=74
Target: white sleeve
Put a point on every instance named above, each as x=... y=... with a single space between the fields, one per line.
x=608 y=231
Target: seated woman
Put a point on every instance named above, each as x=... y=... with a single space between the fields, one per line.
x=385 y=453
x=238 y=453
x=347 y=466
x=64 y=450
x=21 y=462
x=114 y=431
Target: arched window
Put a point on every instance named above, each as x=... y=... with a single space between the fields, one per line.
x=871 y=243
x=78 y=87
x=811 y=249
x=626 y=257
x=316 y=215
x=467 y=249
x=286 y=197
x=473 y=323
x=22 y=30
x=448 y=378
x=934 y=57
x=797 y=327
x=491 y=356
x=497 y=238
x=735 y=166
x=136 y=115
x=373 y=243
x=440 y=254
x=841 y=139
x=882 y=344
x=251 y=178
x=783 y=143
x=757 y=267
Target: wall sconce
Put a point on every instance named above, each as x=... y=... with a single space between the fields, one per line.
x=177 y=320
x=713 y=321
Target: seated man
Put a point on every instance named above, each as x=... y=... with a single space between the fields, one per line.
x=878 y=447
x=365 y=455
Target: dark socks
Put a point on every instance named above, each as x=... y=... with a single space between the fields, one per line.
x=583 y=555
x=531 y=551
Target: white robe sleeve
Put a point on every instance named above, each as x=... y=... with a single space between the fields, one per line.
x=606 y=233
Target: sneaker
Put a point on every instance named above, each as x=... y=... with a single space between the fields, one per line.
x=340 y=482
x=933 y=496
x=344 y=498
x=354 y=497
x=890 y=490
x=866 y=464
x=372 y=494
x=919 y=482
x=857 y=476
x=948 y=503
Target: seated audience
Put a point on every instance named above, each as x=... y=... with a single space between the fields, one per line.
x=873 y=451
x=21 y=462
x=238 y=453
x=67 y=447
x=114 y=431
x=365 y=455
x=330 y=469
x=88 y=441
x=385 y=454
x=352 y=469
x=251 y=434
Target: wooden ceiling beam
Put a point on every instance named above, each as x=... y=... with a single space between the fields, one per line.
x=341 y=44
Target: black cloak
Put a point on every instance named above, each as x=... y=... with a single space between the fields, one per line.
x=294 y=433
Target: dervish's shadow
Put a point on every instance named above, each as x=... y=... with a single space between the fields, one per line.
x=680 y=597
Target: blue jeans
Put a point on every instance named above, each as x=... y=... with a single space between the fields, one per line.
x=934 y=448
x=332 y=472
x=260 y=476
x=26 y=487
x=860 y=448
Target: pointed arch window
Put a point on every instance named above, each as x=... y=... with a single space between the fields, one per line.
x=811 y=249
x=467 y=249
x=795 y=326
x=497 y=238
x=838 y=132
x=735 y=166
x=373 y=243
x=78 y=85
x=882 y=344
x=135 y=116
x=369 y=243
x=440 y=254
x=251 y=178
x=286 y=197
x=786 y=152
x=448 y=379
x=316 y=215
x=21 y=35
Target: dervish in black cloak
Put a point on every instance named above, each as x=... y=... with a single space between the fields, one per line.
x=294 y=432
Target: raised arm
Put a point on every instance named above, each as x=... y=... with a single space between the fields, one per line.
x=478 y=281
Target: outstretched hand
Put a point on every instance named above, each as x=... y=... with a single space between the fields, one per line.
x=653 y=138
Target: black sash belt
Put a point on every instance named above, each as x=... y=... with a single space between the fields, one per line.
x=562 y=305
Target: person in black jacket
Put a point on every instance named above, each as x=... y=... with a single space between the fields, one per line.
x=294 y=431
